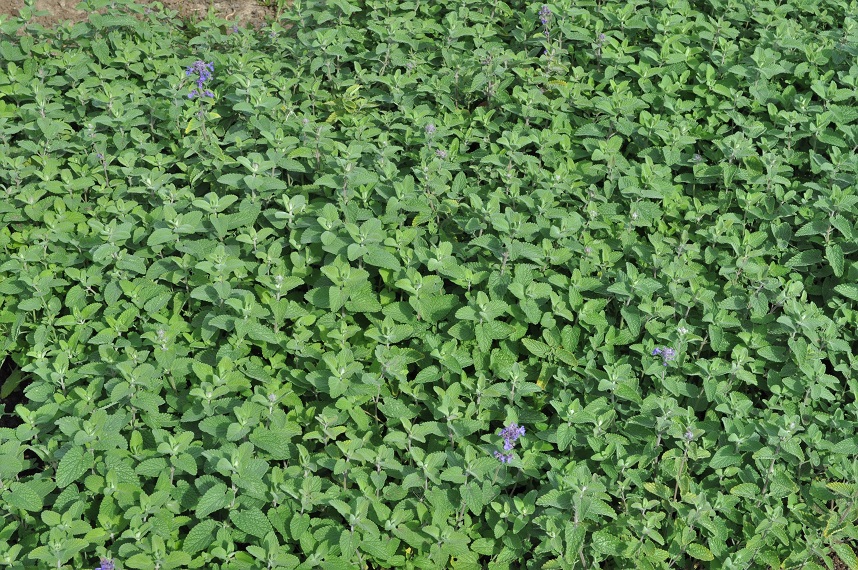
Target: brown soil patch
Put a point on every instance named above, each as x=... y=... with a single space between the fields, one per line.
x=242 y=12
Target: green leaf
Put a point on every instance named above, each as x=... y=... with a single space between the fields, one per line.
x=275 y=442
x=251 y=521
x=159 y=236
x=565 y=436
x=747 y=490
x=699 y=552
x=213 y=500
x=725 y=457
x=538 y=348
x=834 y=254
x=72 y=467
x=199 y=537
x=377 y=256
x=848 y=290
x=846 y=554
x=805 y=258
x=23 y=496
x=473 y=497
x=606 y=543
x=140 y=560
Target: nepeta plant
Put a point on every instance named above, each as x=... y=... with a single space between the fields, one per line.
x=220 y=356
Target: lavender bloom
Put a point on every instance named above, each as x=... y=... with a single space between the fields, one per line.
x=106 y=564
x=235 y=28
x=544 y=13
x=510 y=434
x=204 y=73
x=503 y=458
x=430 y=129
x=667 y=354
x=601 y=38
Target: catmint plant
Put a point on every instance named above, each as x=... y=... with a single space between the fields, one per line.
x=204 y=73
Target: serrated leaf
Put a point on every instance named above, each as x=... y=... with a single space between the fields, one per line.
x=538 y=348
x=725 y=457
x=606 y=543
x=805 y=258
x=199 y=537
x=377 y=256
x=159 y=236
x=846 y=554
x=834 y=254
x=748 y=490
x=213 y=500
x=848 y=290
x=22 y=496
x=846 y=447
x=251 y=521
x=299 y=525
x=472 y=494
x=565 y=436
x=699 y=552
x=72 y=467
x=275 y=442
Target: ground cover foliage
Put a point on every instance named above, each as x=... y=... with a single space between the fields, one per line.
x=427 y=285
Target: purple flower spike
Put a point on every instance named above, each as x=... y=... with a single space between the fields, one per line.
x=667 y=354
x=510 y=434
x=106 y=564
x=544 y=13
x=204 y=73
x=503 y=458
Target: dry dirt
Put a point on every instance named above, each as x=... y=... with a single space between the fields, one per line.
x=243 y=12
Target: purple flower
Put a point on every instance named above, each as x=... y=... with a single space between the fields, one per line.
x=510 y=434
x=430 y=129
x=667 y=354
x=697 y=157
x=106 y=564
x=544 y=13
x=441 y=153
x=601 y=38
x=503 y=458
x=204 y=73
x=235 y=28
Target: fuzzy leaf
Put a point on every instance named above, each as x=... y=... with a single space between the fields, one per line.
x=251 y=521
x=199 y=537
x=72 y=467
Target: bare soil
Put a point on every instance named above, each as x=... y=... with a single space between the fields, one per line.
x=242 y=12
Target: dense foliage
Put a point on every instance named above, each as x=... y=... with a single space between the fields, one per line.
x=432 y=284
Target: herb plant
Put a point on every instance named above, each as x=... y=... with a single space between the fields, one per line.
x=268 y=296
